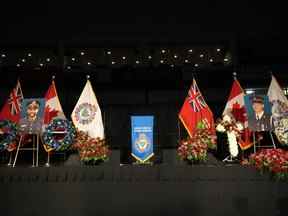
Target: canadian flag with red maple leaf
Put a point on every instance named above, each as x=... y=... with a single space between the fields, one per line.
x=53 y=108
x=235 y=106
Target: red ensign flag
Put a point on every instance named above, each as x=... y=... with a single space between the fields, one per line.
x=195 y=110
x=12 y=108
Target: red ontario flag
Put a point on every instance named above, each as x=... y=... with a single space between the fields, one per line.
x=195 y=110
x=12 y=108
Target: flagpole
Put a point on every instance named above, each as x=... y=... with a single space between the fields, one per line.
x=271 y=73
x=47 y=164
x=88 y=79
x=235 y=75
x=231 y=158
x=179 y=132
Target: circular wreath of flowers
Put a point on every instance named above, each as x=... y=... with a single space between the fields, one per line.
x=8 y=130
x=59 y=125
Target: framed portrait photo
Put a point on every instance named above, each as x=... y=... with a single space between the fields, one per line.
x=259 y=112
x=32 y=115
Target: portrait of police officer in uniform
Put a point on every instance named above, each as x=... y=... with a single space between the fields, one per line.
x=259 y=119
x=32 y=116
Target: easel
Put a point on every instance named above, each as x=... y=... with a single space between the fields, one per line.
x=35 y=140
x=267 y=146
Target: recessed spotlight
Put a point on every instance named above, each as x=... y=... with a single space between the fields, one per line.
x=82 y=53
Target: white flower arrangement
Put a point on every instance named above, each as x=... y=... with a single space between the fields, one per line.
x=233 y=130
x=220 y=128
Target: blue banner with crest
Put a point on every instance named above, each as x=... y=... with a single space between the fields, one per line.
x=142 y=137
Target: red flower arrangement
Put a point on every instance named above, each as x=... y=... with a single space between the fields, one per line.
x=195 y=148
x=91 y=149
x=274 y=161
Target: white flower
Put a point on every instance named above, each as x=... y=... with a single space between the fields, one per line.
x=227 y=118
x=232 y=141
x=239 y=126
x=220 y=128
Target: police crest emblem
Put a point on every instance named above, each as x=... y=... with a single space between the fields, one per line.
x=85 y=113
x=142 y=143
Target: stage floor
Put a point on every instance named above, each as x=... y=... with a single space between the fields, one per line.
x=141 y=190
x=130 y=173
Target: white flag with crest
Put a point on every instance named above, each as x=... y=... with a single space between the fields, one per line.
x=279 y=111
x=86 y=115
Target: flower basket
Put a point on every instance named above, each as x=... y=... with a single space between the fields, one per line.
x=194 y=149
x=92 y=151
x=272 y=161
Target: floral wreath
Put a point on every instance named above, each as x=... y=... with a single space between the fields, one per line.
x=8 y=131
x=59 y=125
x=280 y=120
x=281 y=131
